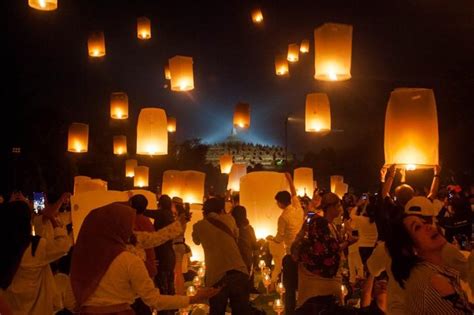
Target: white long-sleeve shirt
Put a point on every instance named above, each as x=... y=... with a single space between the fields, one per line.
x=290 y=223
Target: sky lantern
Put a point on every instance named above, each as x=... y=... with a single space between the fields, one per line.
x=172 y=183
x=257 y=16
x=130 y=167
x=181 y=71
x=43 y=5
x=143 y=28
x=171 y=124
x=332 y=52
x=281 y=65
x=293 y=52
x=119 y=105
x=78 y=138
x=334 y=180
x=167 y=72
x=304 y=47
x=317 y=113
x=411 y=129
x=120 y=145
x=236 y=172
x=192 y=190
x=152 y=132
x=304 y=183
x=141 y=176
x=225 y=162
x=341 y=189
x=96 y=44
x=242 y=115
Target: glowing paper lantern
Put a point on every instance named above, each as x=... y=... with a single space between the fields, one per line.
x=318 y=113
x=119 y=105
x=334 y=180
x=333 y=52
x=167 y=72
x=303 y=180
x=120 y=145
x=172 y=183
x=130 y=167
x=96 y=44
x=43 y=5
x=143 y=28
x=193 y=186
x=257 y=195
x=78 y=138
x=293 y=52
x=236 y=172
x=242 y=115
x=225 y=162
x=341 y=189
x=281 y=65
x=141 y=176
x=304 y=47
x=411 y=129
x=257 y=16
x=171 y=124
x=152 y=132
x=196 y=250
x=82 y=185
x=181 y=71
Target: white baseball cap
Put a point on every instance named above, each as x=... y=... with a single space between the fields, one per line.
x=420 y=206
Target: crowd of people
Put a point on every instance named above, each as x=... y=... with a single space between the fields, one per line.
x=409 y=252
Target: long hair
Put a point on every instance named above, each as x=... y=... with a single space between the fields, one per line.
x=240 y=215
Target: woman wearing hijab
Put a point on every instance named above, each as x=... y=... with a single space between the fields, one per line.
x=105 y=277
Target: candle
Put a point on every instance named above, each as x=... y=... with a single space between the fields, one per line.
x=197 y=281
x=266 y=271
x=201 y=272
x=280 y=288
x=191 y=291
x=278 y=306
x=261 y=264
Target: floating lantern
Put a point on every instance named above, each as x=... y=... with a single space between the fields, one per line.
x=143 y=28
x=119 y=105
x=120 y=145
x=236 y=172
x=334 y=180
x=257 y=16
x=43 y=5
x=332 y=52
x=167 y=72
x=318 y=113
x=293 y=53
x=303 y=180
x=152 y=132
x=193 y=186
x=226 y=163
x=130 y=167
x=141 y=176
x=242 y=115
x=181 y=71
x=304 y=47
x=96 y=44
x=411 y=129
x=78 y=138
x=341 y=189
x=84 y=184
x=171 y=124
x=281 y=65
x=172 y=183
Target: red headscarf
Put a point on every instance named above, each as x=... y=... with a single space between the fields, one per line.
x=103 y=236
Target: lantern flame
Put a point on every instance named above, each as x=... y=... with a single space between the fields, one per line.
x=410 y=167
x=78 y=146
x=332 y=75
x=42 y=3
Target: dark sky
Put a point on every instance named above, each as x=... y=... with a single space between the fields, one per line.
x=415 y=43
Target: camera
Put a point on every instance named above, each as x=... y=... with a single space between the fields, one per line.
x=38 y=201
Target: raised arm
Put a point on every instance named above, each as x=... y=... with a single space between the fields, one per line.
x=386 y=176
x=435 y=183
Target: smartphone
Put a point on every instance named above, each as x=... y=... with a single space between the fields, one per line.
x=38 y=201
x=309 y=216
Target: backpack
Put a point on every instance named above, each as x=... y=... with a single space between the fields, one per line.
x=319 y=250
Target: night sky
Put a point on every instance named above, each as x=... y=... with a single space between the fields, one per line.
x=52 y=82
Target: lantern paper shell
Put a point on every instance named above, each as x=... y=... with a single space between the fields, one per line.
x=143 y=28
x=242 y=115
x=225 y=162
x=293 y=52
x=257 y=16
x=236 y=172
x=181 y=71
x=84 y=184
x=411 y=129
x=333 y=52
x=193 y=186
x=171 y=124
x=318 y=113
x=167 y=72
x=281 y=65
x=257 y=195
x=334 y=180
x=120 y=145
x=341 y=189
x=196 y=250
x=130 y=167
x=119 y=105
x=303 y=180
x=172 y=183
x=141 y=176
x=152 y=132
x=78 y=138
x=96 y=44
x=304 y=47
x=43 y=5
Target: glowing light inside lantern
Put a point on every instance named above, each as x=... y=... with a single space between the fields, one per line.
x=42 y=3
x=262 y=232
x=332 y=75
x=151 y=149
x=183 y=85
x=77 y=146
x=410 y=167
